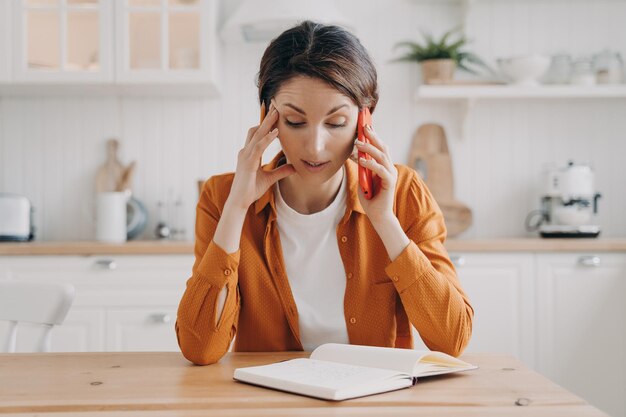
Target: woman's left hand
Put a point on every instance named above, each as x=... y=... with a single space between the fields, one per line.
x=380 y=207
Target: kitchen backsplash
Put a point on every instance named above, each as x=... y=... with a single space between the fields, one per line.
x=51 y=147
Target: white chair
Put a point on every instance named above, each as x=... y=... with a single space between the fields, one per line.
x=41 y=303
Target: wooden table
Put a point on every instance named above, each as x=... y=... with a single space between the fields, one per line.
x=165 y=384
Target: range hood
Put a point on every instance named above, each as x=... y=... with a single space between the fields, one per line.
x=262 y=21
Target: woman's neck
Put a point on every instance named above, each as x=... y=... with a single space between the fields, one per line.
x=306 y=199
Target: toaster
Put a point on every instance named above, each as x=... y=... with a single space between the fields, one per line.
x=16 y=218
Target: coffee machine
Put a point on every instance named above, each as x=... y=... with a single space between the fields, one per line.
x=569 y=204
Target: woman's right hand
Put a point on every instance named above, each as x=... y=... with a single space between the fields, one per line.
x=250 y=181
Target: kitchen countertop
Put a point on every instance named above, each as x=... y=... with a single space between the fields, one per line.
x=155 y=247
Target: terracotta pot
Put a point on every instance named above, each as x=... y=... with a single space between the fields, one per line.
x=438 y=71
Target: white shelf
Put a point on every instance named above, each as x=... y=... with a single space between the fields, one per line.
x=474 y=92
x=495 y=1
x=162 y=89
x=467 y=95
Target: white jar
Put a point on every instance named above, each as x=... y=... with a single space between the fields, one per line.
x=609 y=67
x=582 y=73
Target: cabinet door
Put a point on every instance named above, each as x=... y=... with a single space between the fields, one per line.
x=83 y=328
x=5 y=41
x=65 y=41
x=166 y=41
x=82 y=331
x=582 y=331
x=108 y=283
x=500 y=288
x=142 y=329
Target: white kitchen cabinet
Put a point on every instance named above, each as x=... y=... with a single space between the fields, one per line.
x=581 y=326
x=153 y=47
x=141 y=329
x=123 y=302
x=5 y=41
x=561 y=313
x=500 y=289
x=62 y=41
x=166 y=41
x=82 y=331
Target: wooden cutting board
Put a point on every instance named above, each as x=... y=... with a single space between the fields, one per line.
x=111 y=171
x=113 y=175
x=430 y=157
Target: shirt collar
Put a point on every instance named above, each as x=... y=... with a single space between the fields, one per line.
x=352 y=199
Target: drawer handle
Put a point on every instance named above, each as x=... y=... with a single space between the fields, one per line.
x=161 y=318
x=589 y=260
x=108 y=264
x=458 y=260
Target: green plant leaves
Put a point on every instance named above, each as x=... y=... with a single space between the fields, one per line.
x=444 y=48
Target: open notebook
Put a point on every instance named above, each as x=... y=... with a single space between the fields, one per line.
x=338 y=372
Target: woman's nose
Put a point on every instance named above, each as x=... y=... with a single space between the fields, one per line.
x=316 y=143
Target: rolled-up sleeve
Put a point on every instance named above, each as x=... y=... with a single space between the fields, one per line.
x=426 y=280
x=201 y=338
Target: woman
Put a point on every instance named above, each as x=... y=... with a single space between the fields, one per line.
x=291 y=255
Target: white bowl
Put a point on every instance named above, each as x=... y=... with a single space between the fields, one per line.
x=524 y=70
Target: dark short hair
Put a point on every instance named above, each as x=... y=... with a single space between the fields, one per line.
x=329 y=53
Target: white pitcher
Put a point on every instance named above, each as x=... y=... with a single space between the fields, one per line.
x=111 y=216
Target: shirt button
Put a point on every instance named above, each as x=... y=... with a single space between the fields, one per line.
x=227 y=272
x=395 y=278
x=349 y=275
x=352 y=320
x=344 y=239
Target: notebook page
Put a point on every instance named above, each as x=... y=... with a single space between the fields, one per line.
x=436 y=363
x=401 y=360
x=410 y=361
x=310 y=372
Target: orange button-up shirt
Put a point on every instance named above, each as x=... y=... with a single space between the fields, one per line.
x=383 y=297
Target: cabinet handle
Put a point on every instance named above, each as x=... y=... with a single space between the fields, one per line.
x=457 y=260
x=163 y=318
x=108 y=264
x=589 y=260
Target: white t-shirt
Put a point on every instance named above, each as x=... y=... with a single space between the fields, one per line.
x=314 y=268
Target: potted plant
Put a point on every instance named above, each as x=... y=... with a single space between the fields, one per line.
x=440 y=58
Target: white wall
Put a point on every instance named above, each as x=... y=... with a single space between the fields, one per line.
x=50 y=148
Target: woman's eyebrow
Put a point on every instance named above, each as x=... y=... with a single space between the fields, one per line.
x=299 y=110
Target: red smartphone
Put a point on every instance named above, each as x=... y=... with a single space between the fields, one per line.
x=366 y=176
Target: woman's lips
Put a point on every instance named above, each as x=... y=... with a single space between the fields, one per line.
x=314 y=166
